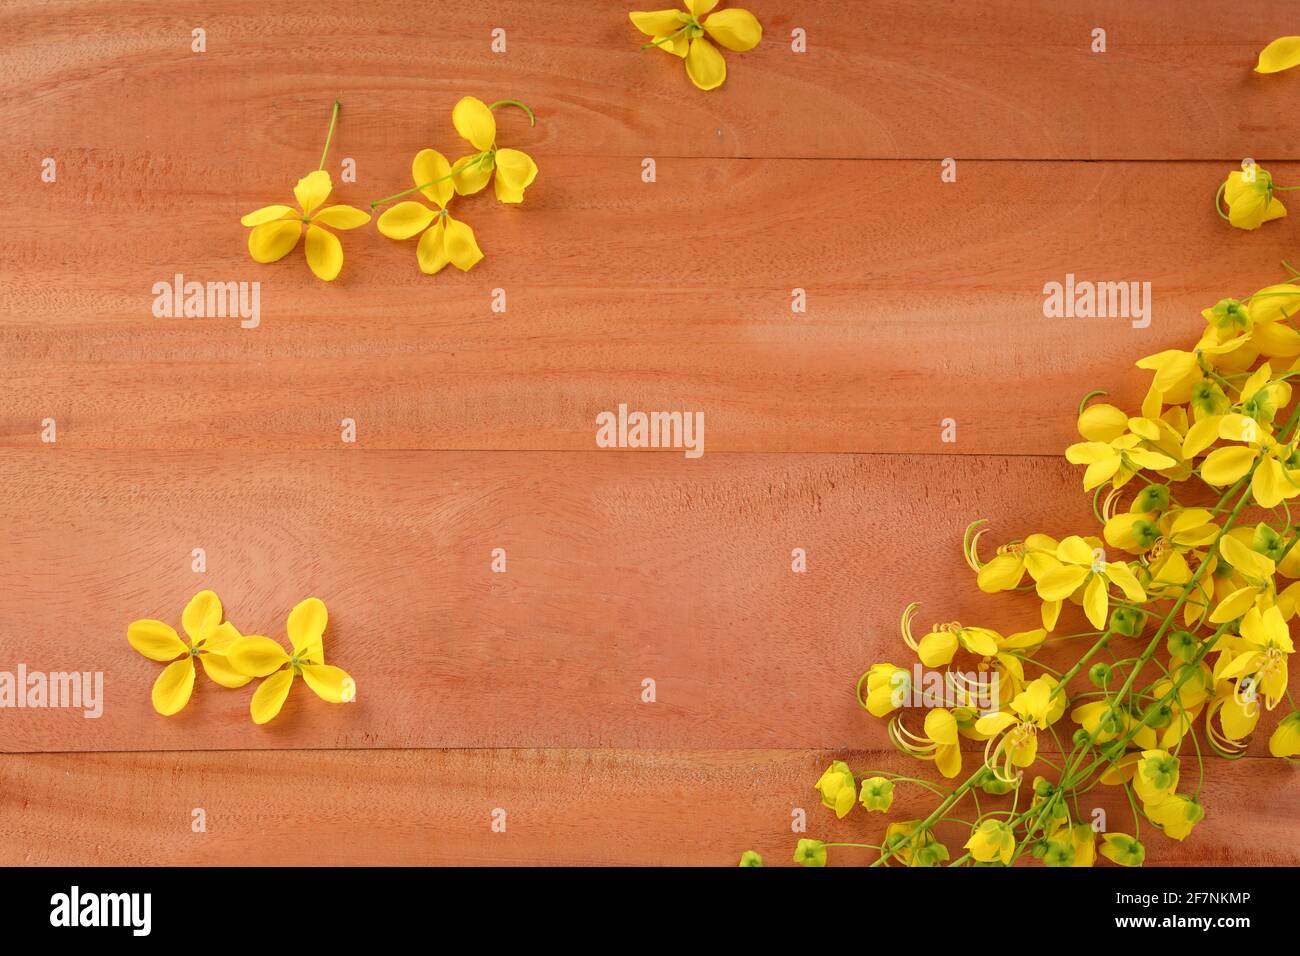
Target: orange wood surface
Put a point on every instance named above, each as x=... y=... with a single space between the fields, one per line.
x=475 y=430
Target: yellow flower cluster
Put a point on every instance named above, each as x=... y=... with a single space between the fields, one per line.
x=232 y=660
x=683 y=34
x=275 y=230
x=1188 y=593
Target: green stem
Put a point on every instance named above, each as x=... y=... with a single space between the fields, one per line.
x=330 y=135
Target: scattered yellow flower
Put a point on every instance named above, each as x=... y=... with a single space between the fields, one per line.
x=837 y=788
x=1248 y=194
x=442 y=238
x=515 y=170
x=684 y=35
x=992 y=840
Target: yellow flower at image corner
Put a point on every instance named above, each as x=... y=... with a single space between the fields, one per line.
x=210 y=642
x=1081 y=566
x=877 y=793
x=751 y=858
x=442 y=238
x=259 y=656
x=1248 y=194
x=514 y=169
x=1122 y=849
x=1281 y=54
x=1175 y=815
x=277 y=229
x=684 y=35
x=992 y=840
x=838 y=788
x=1285 y=740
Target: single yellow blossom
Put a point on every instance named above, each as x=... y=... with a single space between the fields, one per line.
x=1080 y=566
x=442 y=238
x=837 y=788
x=1122 y=849
x=1248 y=194
x=992 y=840
x=1175 y=815
x=1285 y=741
x=515 y=170
x=877 y=793
x=684 y=35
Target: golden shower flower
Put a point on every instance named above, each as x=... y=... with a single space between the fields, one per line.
x=442 y=238
x=1079 y=566
x=210 y=642
x=992 y=840
x=1267 y=646
x=837 y=788
x=262 y=657
x=1175 y=815
x=1122 y=849
x=515 y=170
x=877 y=794
x=684 y=35
x=1248 y=194
x=750 y=858
x=810 y=853
x=1117 y=460
x=1155 y=776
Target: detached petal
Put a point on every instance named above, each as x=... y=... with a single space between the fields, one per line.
x=735 y=29
x=172 y=689
x=515 y=173
x=201 y=615
x=267 y=214
x=1282 y=54
x=272 y=241
x=306 y=628
x=270 y=696
x=324 y=253
x=256 y=656
x=459 y=244
x=330 y=683
x=155 y=640
x=428 y=165
x=474 y=122
x=342 y=217
x=705 y=65
x=312 y=190
x=406 y=219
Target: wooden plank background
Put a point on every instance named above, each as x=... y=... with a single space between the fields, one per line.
x=817 y=171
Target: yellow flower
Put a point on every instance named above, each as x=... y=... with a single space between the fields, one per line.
x=210 y=641
x=887 y=687
x=810 y=853
x=263 y=657
x=515 y=170
x=1282 y=54
x=837 y=788
x=1117 y=460
x=1267 y=642
x=1254 y=579
x=276 y=229
x=938 y=647
x=1155 y=776
x=992 y=840
x=1078 y=565
x=683 y=34
x=1248 y=194
x=938 y=743
x=750 y=858
x=900 y=844
x=1175 y=815
x=1084 y=841
x=877 y=794
x=1122 y=849
x=442 y=238
x=1285 y=741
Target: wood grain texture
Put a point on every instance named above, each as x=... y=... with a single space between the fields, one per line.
x=621 y=567
x=925 y=302
x=903 y=79
x=585 y=808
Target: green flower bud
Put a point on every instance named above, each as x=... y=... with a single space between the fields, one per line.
x=1099 y=674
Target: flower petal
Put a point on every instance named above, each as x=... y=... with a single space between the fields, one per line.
x=201 y=615
x=735 y=29
x=324 y=253
x=155 y=640
x=657 y=23
x=1223 y=466
x=172 y=689
x=342 y=217
x=472 y=174
x=272 y=241
x=1282 y=54
x=312 y=190
x=515 y=173
x=406 y=219
x=459 y=244
x=428 y=165
x=705 y=65
x=306 y=629
x=218 y=669
x=256 y=656
x=432 y=251
x=270 y=696
x=699 y=8
x=267 y=214
x=330 y=683
x=474 y=122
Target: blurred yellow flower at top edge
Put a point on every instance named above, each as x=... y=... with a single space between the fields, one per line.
x=277 y=229
x=684 y=35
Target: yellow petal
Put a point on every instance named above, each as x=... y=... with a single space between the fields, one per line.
x=947 y=757
x=221 y=637
x=1096 y=602
x=312 y=190
x=218 y=669
x=1223 y=466
x=1002 y=573
x=155 y=640
x=941 y=726
x=1282 y=54
x=267 y=214
x=459 y=244
x=735 y=29
x=341 y=217
x=1102 y=423
x=256 y=656
x=306 y=629
x=272 y=241
x=201 y=615
x=270 y=696
x=406 y=219
x=515 y=173
x=330 y=683
x=172 y=689
x=324 y=253
x=428 y=165
x=699 y=8
x=937 y=648
x=432 y=251
x=472 y=174
x=474 y=122
x=1061 y=582
x=705 y=65
x=657 y=23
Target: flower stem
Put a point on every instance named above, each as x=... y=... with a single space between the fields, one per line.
x=330 y=135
